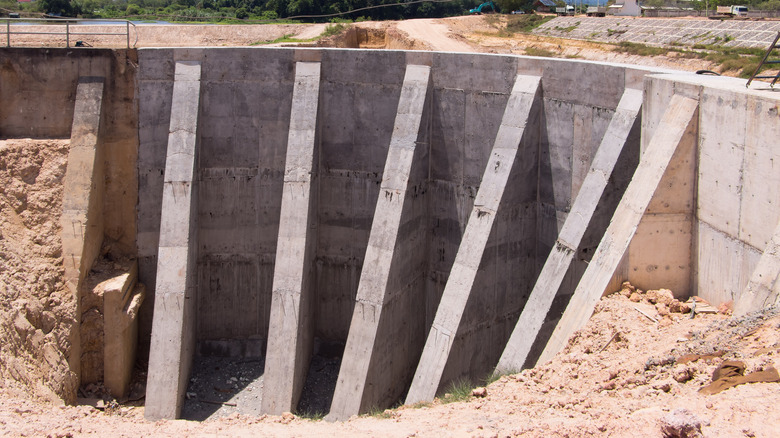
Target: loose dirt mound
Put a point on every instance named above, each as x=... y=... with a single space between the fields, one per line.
x=36 y=311
x=622 y=375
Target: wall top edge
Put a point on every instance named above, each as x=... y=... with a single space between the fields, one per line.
x=723 y=83
x=562 y=61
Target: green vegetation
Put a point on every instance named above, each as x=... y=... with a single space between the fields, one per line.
x=311 y=415
x=254 y=11
x=382 y=414
x=640 y=49
x=533 y=51
x=331 y=29
x=569 y=28
x=458 y=390
x=526 y=23
x=741 y=61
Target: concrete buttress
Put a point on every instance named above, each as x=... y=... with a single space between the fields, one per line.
x=387 y=277
x=82 y=201
x=763 y=290
x=562 y=253
x=290 y=334
x=677 y=121
x=486 y=204
x=173 y=326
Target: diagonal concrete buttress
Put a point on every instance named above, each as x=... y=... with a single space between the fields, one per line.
x=676 y=122
x=82 y=199
x=559 y=260
x=383 y=265
x=464 y=270
x=764 y=287
x=290 y=333
x=173 y=325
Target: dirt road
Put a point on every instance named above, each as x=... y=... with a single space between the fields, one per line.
x=436 y=34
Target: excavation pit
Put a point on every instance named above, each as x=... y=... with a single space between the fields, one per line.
x=402 y=204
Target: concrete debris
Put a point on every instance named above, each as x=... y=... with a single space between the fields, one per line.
x=681 y=423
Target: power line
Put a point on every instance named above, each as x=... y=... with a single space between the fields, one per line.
x=367 y=8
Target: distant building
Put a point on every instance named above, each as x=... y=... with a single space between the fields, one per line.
x=628 y=8
x=544 y=6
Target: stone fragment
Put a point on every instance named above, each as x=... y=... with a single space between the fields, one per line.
x=479 y=392
x=681 y=423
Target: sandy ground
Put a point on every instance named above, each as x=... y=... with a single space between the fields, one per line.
x=622 y=375
x=457 y=34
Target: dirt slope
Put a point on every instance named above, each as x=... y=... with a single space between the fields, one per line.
x=622 y=375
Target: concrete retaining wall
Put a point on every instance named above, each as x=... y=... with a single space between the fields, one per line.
x=692 y=239
x=38 y=94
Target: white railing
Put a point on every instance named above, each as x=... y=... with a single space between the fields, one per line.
x=12 y=28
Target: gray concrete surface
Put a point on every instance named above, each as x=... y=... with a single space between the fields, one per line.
x=763 y=289
x=487 y=202
x=122 y=298
x=704 y=230
x=291 y=330
x=389 y=271
x=678 y=121
x=82 y=200
x=664 y=31
x=172 y=346
x=558 y=262
x=695 y=244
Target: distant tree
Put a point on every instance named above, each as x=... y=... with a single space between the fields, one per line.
x=57 y=7
x=508 y=6
x=242 y=13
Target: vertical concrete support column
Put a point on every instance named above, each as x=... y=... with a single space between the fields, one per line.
x=675 y=123
x=82 y=199
x=381 y=259
x=290 y=332
x=764 y=288
x=173 y=325
x=122 y=298
x=559 y=259
x=464 y=270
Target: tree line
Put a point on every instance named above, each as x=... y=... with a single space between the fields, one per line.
x=311 y=10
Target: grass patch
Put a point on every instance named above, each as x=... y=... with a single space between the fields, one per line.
x=311 y=415
x=544 y=53
x=741 y=61
x=331 y=29
x=422 y=404
x=640 y=49
x=382 y=414
x=525 y=23
x=568 y=28
x=458 y=390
